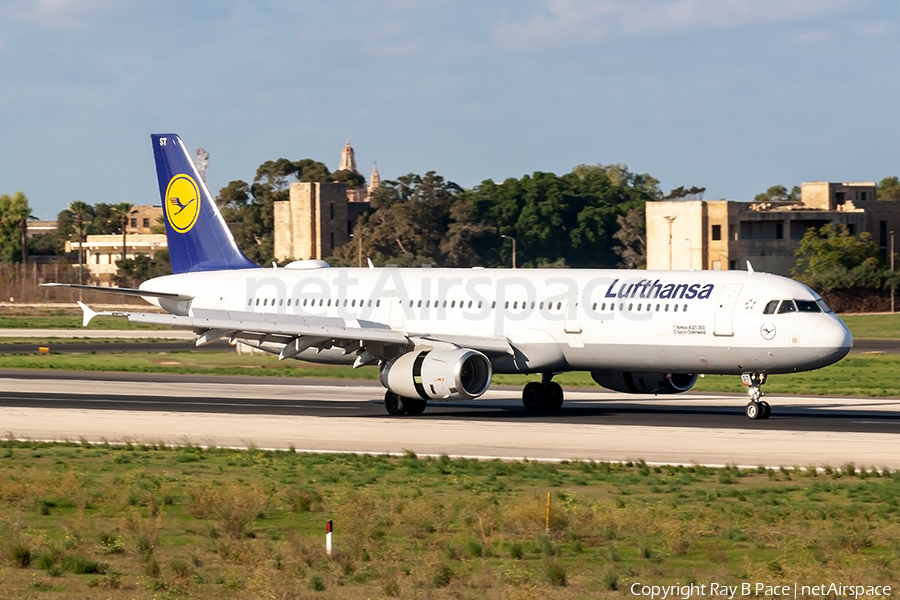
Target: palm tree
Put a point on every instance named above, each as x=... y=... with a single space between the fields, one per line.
x=122 y=209
x=14 y=214
x=80 y=208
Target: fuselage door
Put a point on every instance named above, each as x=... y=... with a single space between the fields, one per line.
x=397 y=320
x=225 y=293
x=723 y=320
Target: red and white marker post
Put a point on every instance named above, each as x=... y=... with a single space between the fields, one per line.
x=329 y=531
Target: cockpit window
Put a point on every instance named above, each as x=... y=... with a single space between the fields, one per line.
x=823 y=306
x=787 y=306
x=770 y=307
x=808 y=306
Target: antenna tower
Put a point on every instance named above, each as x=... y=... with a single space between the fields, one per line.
x=201 y=162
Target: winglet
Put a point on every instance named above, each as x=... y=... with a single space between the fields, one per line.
x=88 y=313
x=750 y=267
x=371 y=264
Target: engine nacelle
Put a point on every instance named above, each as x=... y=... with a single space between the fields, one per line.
x=458 y=374
x=645 y=383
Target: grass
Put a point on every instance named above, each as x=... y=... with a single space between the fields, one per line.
x=150 y=521
x=858 y=375
x=885 y=327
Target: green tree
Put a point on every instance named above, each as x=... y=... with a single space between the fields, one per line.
x=350 y=179
x=409 y=222
x=250 y=207
x=632 y=238
x=132 y=272
x=14 y=215
x=889 y=188
x=779 y=193
x=560 y=220
x=831 y=258
x=683 y=193
x=120 y=212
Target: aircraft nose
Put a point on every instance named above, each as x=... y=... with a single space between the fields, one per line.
x=834 y=339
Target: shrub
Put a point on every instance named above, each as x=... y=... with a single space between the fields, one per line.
x=556 y=573
x=442 y=576
x=516 y=550
x=81 y=565
x=21 y=555
x=316 y=583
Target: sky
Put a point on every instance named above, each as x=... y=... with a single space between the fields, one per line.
x=733 y=95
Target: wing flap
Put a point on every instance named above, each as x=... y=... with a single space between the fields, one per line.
x=284 y=327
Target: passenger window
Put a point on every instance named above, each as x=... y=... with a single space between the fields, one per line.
x=807 y=306
x=250 y=301
x=770 y=307
x=787 y=306
x=377 y=303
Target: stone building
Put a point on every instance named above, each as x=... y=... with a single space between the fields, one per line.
x=319 y=217
x=723 y=234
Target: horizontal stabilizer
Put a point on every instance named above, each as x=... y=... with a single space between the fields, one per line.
x=122 y=291
x=90 y=313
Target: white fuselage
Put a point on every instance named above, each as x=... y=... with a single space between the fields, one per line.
x=556 y=319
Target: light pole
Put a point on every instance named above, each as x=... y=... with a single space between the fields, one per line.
x=509 y=237
x=670 y=220
x=893 y=283
x=79 y=221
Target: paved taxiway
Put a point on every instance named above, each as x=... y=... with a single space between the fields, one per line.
x=334 y=416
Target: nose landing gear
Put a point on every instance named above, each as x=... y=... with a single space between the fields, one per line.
x=546 y=395
x=757 y=408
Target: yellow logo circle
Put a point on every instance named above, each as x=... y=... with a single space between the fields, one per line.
x=182 y=203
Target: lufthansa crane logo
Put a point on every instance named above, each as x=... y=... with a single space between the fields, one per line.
x=182 y=203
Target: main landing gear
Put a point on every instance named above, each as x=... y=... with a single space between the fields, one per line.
x=756 y=408
x=395 y=404
x=546 y=395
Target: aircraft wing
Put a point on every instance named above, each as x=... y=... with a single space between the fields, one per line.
x=298 y=333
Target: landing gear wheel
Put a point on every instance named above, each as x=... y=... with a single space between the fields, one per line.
x=554 y=397
x=394 y=403
x=758 y=408
x=753 y=410
x=533 y=396
x=414 y=406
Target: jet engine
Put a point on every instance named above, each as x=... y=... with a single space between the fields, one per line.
x=457 y=374
x=645 y=383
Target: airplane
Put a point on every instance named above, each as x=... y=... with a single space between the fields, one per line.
x=440 y=334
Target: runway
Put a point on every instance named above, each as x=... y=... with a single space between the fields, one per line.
x=323 y=415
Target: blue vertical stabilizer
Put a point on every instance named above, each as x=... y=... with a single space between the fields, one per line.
x=199 y=239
